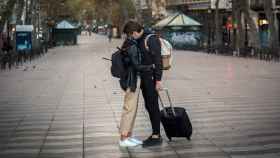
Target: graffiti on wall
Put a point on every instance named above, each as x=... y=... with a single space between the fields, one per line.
x=184 y=40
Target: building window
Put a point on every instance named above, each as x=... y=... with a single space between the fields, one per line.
x=277 y=2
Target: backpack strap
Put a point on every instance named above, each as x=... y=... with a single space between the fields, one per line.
x=146 y=41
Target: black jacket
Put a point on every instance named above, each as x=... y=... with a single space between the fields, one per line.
x=132 y=62
x=153 y=55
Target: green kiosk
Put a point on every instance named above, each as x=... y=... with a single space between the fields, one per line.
x=181 y=31
x=65 y=33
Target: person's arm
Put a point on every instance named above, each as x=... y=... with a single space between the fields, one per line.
x=132 y=52
x=129 y=46
x=154 y=46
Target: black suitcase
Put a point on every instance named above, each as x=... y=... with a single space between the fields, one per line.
x=175 y=120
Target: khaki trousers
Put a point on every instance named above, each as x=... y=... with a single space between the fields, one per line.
x=129 y=110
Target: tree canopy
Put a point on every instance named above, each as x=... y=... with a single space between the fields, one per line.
x=108 y=11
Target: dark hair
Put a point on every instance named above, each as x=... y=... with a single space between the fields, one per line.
x=132 y=26
x=126 y=44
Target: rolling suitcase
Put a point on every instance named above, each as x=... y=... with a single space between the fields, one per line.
x=175 y=120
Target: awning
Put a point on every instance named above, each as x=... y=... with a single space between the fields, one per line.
x=24 y=28
x=178 y=19
x=65 y=25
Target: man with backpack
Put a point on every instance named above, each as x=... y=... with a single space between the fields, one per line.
x=150 y=49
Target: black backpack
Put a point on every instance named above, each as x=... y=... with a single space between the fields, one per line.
x=118 y=69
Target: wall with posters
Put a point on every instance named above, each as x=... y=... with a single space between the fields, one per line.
x=23 y=41
x=184 y=38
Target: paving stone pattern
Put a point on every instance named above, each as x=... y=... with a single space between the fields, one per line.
x=66 y=105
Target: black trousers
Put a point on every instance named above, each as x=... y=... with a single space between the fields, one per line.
x=150 y=96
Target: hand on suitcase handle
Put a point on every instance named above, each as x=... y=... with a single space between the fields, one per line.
x=164 y=89
x=169 y=99
x=159 y=86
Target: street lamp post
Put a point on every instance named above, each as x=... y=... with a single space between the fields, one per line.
x=246 y=33
x=26 y=12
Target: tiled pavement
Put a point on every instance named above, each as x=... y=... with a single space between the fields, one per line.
x=66 y=105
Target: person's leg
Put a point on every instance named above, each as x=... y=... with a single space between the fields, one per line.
x=128 y=113
x=151 y=103
x=128 y=118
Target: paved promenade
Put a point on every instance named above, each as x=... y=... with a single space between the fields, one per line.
x=66 y=105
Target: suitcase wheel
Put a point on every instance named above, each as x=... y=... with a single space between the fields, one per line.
x=188 y=138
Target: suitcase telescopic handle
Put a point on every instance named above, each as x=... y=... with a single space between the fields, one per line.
x=169 y=99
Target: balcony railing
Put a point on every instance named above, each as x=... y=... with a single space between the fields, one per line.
x=257 y=4
x=277 y=3
x=174 y=2
x=179 y=2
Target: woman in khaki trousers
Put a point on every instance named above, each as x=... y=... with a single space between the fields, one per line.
x=128 y=118
x=130 y=83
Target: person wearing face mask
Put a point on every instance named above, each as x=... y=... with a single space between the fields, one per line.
x=150 y=49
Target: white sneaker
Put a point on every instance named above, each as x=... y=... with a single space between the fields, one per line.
x=127 y=143
x=139 y=142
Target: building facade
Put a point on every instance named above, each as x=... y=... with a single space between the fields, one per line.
x=199 y=4
x=262 y=21
x=150 y=11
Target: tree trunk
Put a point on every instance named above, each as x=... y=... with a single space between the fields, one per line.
x=28 y=19
x=240 y=31
x=243 y=16
x=19 y=11
x=149 y=4
x=124 y=18
x=138 y=11
x=235 y=19
x=159 y=9
x=243 y=30
x=218 y=40
x=7 y=13
x=253 y=31
x=238 y=20
x=273 y=34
